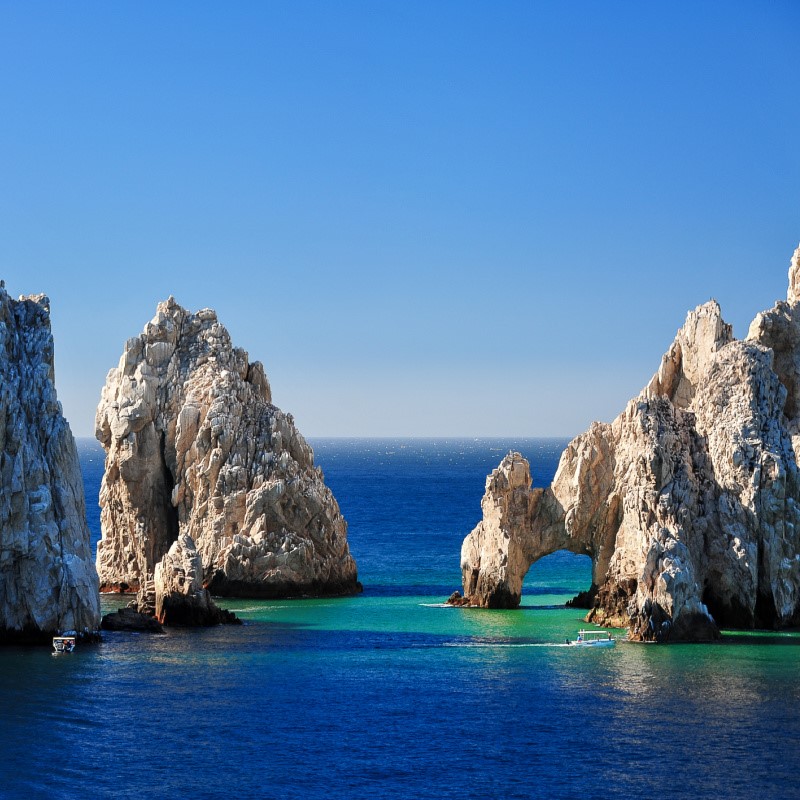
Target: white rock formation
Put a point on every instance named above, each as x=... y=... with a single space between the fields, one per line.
x=48 y=582
x=180 y=598
x=194 y=446
x=688 y=503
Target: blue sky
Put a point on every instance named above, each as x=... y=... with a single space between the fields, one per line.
x=430 y=219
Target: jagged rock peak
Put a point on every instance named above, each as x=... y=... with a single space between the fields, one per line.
x=196 y=448
x=688 y=503
x=683 y=365
x=778 y=329
x=48 y=583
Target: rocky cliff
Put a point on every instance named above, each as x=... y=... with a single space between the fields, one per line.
x=687 y=504
x=196 y=449
x=48 y=582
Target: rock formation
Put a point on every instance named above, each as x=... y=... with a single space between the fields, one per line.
x=48 y=583
x=130 y=620
x=179 y=594
x=687 y=504
x=198 y=455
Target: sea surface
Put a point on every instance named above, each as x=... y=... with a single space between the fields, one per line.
x=389 y=694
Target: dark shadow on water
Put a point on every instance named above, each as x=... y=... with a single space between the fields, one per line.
x=771 y=638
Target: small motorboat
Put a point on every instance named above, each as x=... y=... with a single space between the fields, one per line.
x=64 y=644
x=593 y=639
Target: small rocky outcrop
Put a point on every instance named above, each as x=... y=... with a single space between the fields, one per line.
x=48 y=582
x=688 y=503
x=129 y=620
x=196 y=452
x=180 y=598
x=457 y=599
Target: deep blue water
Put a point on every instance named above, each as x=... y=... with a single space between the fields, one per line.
x=388 y=695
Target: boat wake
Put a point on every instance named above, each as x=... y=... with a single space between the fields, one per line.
x=284 y=606
x=505 y=644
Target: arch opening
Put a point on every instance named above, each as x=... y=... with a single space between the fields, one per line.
x=558 y=579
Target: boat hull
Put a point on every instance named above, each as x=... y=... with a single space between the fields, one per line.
x=598 y=643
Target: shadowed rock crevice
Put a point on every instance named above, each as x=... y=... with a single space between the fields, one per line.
x=728 y=614
x=171 y=526
x=687 y=503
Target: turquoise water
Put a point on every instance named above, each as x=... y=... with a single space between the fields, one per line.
x=388 y=694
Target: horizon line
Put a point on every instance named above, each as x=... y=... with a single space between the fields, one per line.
x=412 y=438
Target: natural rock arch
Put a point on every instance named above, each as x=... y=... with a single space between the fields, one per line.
x=688 y=503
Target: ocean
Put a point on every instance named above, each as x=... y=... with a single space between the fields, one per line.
x=390 y=695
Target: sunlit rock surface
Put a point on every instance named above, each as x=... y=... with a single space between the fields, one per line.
x=180 y=598
x=48 y=582
x=687 y=503
x=195 y=447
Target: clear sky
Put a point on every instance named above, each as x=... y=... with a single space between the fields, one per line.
x=424 y=218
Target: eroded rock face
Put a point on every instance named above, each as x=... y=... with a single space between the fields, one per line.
x=48 y=582
x=195 y=447
x=687 y=503
x=180 y=598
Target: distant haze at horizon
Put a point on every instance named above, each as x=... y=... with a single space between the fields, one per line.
x=451 y=219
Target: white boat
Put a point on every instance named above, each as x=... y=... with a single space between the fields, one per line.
x=593 y=639
x=64 y=644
